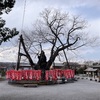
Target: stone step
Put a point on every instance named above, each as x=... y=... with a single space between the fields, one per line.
x=30 y=85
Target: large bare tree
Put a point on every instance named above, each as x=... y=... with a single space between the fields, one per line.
x=60 y=30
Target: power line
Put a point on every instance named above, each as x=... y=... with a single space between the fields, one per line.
x=23 y=16
x=78 y=55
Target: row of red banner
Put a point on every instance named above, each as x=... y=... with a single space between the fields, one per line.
x=24 y=74
x=57 y=74
x=36 y=74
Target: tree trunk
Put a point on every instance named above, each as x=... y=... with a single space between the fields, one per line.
x=28 y=56
x=51 y=60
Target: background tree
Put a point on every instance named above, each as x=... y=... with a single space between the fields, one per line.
x=60 y=31
x=5 y=32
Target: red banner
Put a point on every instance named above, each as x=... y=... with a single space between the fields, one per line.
x=47 y=75
x=36 y=74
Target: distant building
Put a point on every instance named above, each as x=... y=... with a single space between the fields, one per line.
x=96 y=66
x=3 y=68
x=8 y=65
x=58 y=65
x=2 y=71
x=73 y=65
x=93 y=70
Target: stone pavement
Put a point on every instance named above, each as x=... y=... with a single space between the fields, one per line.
x=80 y=90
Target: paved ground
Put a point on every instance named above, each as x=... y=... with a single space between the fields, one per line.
x=80 y=90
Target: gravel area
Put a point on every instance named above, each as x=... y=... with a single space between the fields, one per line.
x=80 y=90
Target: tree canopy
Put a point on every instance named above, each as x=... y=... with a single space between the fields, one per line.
x=59 y=29
x=5 y=32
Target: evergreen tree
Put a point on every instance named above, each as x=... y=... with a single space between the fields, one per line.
x=5 y=32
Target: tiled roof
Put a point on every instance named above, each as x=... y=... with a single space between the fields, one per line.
x=90 y=70
x=96 y=66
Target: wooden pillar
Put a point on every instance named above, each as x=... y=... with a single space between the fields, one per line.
x=99 y=75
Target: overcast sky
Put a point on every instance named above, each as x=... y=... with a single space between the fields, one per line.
x=88 y=9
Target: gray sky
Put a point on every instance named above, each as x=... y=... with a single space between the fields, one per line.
x=88 y=9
